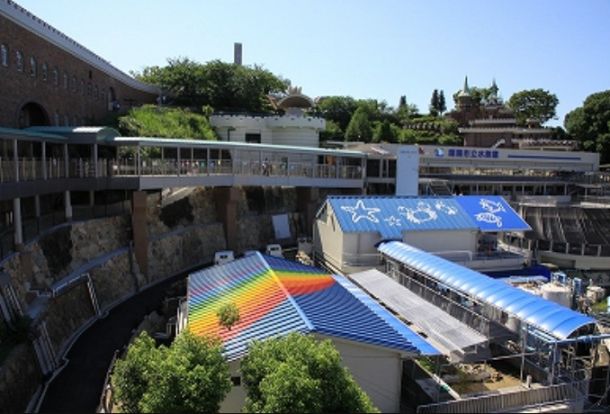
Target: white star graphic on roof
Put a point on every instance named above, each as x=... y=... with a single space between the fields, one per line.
x=359 y=211
x=392 y=221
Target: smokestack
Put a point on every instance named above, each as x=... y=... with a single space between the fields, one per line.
x=237 y=53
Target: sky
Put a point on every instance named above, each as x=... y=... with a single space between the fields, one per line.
x=378 y=49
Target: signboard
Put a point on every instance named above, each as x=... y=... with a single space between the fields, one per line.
x=281 y=226
x=407 y=170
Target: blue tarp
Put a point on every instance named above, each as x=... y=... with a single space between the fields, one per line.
x=557 y=320
x=391 y=215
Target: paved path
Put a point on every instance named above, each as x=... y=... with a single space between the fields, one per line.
x=78 y=386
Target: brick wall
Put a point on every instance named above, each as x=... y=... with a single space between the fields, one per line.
x=78 y=104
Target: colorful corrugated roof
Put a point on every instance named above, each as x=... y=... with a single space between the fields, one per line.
x=277 y=296
x=559 y=321
x=391 y=215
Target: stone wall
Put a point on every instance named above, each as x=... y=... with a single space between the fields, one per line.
x=19 y=376
x=66 y=313
x=184 y=249
x=114 y=280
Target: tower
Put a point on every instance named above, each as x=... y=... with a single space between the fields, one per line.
x=237 y=50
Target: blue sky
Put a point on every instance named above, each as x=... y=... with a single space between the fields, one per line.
x=367 y=49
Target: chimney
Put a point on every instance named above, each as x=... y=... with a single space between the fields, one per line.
x=237 y=53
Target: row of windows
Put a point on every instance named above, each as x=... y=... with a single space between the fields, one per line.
x=67 y=83
x=65 y=120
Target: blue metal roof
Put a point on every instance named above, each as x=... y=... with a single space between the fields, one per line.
x=391 y=215
x=277 y=296
x=545 y=315
x=492 y=213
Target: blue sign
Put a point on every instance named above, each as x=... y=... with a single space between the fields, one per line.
x=472 y=153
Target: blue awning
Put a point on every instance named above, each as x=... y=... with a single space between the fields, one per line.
x=543 y=314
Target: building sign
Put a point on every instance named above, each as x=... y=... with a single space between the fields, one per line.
x=472 y=153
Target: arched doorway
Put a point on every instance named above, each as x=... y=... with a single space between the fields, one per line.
x=32 y=114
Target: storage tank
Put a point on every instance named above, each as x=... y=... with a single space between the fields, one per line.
x=557 y=293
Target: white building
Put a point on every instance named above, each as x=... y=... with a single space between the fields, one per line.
x=276 y=297
x=462 y=229
x=292 y=128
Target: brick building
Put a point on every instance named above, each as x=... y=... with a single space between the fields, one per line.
x=490 y=122
x=47 y=78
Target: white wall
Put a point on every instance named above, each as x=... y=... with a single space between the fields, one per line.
x=236 y=398
x=441 y=241
x=328 y=242
x=378 y=372
x=301 y=137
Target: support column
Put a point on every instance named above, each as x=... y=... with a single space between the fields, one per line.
x=15 y=160
x=68 y=205
x=66 y=162
x=37 y=211
x=308 y=201
x=17 y=225
x=226 y=209
x=44 y=160
x=140 y=230
x=94 y=160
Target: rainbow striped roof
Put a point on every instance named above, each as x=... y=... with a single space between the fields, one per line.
x=277 y=296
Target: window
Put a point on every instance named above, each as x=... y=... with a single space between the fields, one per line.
x=45 y=71
x=4 y=55
x=55 y=77
x=89 y=89
x=19 y=60
x=96 y=92
x=66 y=80
x=82 y=87
x=33 y=66
x=56 y=119
x=74 y=84
x=66 y=120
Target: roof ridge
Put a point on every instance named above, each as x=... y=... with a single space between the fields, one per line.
x=286 y=293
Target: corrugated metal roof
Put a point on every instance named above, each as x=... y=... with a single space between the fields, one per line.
x=391 y=215
x=492 y=213
x=447 y=332
x=276 y=296
x=548 y=316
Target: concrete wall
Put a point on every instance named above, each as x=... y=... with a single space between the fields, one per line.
x=442 y=241
x=236 y=398
x=328 y=239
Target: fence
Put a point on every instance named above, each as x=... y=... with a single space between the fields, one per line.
x=554 y=394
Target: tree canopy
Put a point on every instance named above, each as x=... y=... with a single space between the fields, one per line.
x=590 y=124
x=228 y=315
x=223 y=86
x=535 y=104
x=189 y=376
x=359 y=127
x=300 y=374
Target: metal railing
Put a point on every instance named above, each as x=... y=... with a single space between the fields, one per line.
x=510 y=401
x=576 y=249
x=33 y=168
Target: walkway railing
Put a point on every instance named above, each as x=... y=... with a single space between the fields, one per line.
x=576 y=249
x=33 y=168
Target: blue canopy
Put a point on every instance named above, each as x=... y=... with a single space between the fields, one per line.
x=559 y=321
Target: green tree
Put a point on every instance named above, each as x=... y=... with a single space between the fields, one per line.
x=536 y=104
x=132 y=374
x=223 y=86
x=478 y=94
x=338 y=109
x=193 y=376
x=299 y=374
x=590 y=124
x=189 y=376
x=442 y=105
x=332 y=131
x=228 y=315
x=384 y=132
x=359 y=128
x=405 y=110
x=434 y=104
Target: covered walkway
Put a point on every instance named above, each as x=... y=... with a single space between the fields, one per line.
x=547 y=316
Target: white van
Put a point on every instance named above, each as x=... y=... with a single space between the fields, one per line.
x=274 y=250
x=223 y=256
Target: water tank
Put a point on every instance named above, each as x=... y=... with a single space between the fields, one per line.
x=557 y=293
